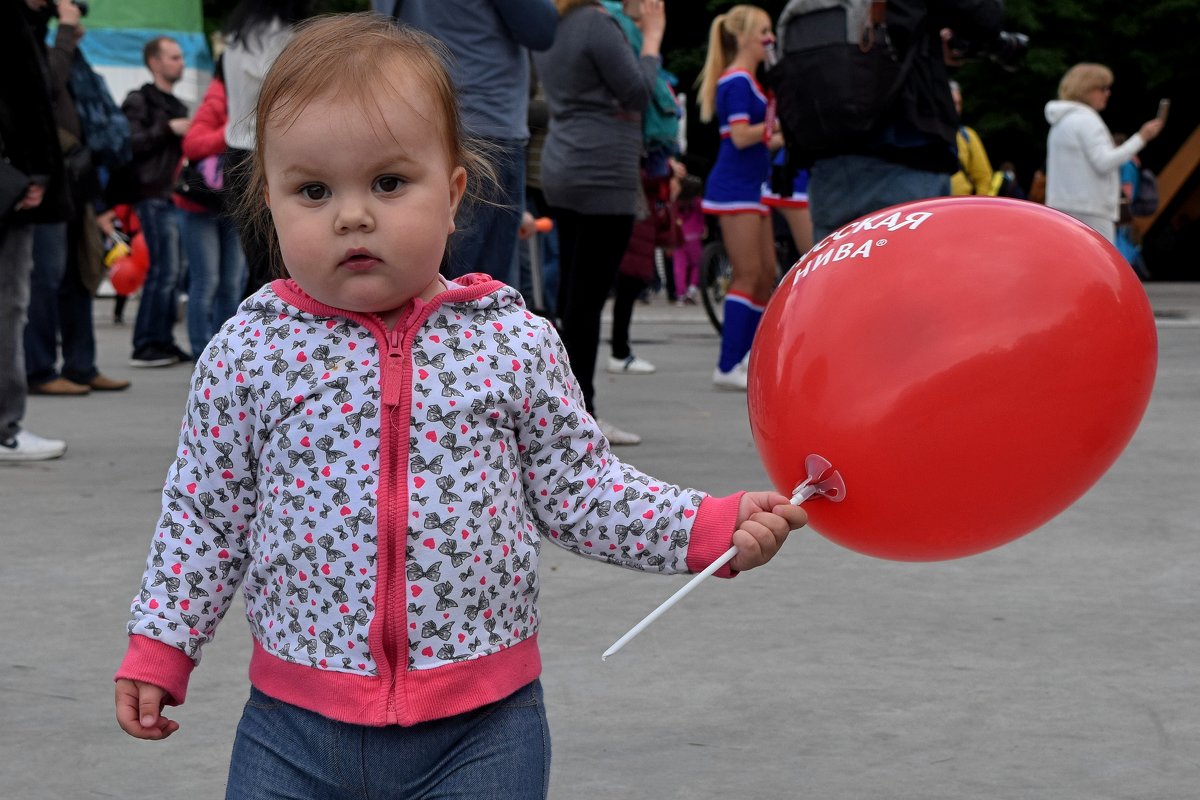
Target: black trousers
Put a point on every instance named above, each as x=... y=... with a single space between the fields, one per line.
x=590 y=251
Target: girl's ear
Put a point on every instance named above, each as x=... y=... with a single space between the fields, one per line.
x=458 y=188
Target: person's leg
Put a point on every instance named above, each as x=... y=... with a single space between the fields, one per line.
x=160 y=300
x=16 y=267
x=41 y=327
x=498 y=752
x=202 y=243
x=486 y=236
x=745 y=237
x=800 y=225
x=282 y=751
x=627 y=288
x=599 y=241
x=75 y=322
x=231 y=275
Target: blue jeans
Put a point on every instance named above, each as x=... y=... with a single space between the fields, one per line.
x=216 y=273
x=499 y=751
x=16 y=265
x=486 y=235
x=59 y=306
x=843 y=188
x=160 y=294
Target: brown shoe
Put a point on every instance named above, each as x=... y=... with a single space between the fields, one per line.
x=59 y=386
x=103 y=383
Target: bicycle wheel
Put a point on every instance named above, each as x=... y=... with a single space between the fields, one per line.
x=715 y=275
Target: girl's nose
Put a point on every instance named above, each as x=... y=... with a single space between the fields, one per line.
x=354 y=215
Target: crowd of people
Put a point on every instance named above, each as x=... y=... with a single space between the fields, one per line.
x=359 y=191
x=577 y=120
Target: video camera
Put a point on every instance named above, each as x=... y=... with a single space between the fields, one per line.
x=1008 y=49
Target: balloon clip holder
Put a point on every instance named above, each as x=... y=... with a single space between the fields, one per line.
x=822 y=481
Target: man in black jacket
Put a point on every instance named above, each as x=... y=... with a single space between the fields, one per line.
x=914 y=153
x=29 y=143
x=157 y=122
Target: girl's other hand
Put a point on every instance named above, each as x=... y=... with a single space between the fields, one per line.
x=139 y=710
x=764 y=521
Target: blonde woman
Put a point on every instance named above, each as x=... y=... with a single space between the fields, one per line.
x=1083 y=164
x=729 y=93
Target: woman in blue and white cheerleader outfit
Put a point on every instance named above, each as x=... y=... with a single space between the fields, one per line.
x=738 y=42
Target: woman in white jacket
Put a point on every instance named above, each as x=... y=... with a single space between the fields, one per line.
x=1082 y=163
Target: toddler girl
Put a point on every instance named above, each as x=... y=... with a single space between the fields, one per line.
x=689 y=236
x=375 y=455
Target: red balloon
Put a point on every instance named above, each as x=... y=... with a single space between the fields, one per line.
x=128 y=272
x=971 y=366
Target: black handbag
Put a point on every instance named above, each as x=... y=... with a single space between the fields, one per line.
x=203 y=182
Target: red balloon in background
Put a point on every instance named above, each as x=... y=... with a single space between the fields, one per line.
x=971 y=366
x=128 y=273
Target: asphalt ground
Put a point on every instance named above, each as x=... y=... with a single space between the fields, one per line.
x=1063 y=665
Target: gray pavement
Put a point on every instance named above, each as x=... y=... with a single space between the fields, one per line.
x=1063 y=665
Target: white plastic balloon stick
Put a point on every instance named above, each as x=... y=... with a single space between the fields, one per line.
x=822 y=481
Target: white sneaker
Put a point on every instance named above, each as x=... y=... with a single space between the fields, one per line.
x=616 y=436
x=732 y=381
x=631 y=365
x=26 y=446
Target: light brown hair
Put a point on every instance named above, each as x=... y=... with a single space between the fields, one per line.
x=1080 y=80
x=352 y=55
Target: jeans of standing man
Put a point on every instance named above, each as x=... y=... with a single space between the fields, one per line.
x=60 y=309
x=501 y=750
x=16 y=267
x=590 y=251
x=216 y=273
x=159 y=304
x=486 y=235
x=843 y=188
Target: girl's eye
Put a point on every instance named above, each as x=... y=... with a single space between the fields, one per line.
x=388 y=184
x=314 y=192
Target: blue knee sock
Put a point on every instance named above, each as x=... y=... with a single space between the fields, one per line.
x=738 y=327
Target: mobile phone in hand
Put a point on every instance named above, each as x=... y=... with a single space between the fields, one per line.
x=1164 y=106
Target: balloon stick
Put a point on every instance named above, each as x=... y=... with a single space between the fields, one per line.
x=822 y=481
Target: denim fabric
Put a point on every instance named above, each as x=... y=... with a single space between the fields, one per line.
x=843 y=188
x=159 y=304
x=216 y=273
x=486 y=236
x=59 y=306
x=498 y=752
x=16 y=266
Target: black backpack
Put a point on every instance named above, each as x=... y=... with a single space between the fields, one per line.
x=105 y=128
x=837 y=77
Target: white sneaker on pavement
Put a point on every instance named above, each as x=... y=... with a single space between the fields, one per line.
x=732 y=381
x=26 y=446
x=615 y=435
x=631 y=365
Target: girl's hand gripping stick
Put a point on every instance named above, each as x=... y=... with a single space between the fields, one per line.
x=822 y=481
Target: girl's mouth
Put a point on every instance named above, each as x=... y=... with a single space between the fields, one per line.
x=359 y=258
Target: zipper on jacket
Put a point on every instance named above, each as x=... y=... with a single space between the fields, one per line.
x=395 y=369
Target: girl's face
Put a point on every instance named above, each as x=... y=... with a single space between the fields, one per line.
x=753 y=43
x=363 y=204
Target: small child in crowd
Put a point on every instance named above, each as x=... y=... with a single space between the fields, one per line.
x=375 y=455
x=689 y=235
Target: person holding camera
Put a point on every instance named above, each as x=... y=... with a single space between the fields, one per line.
x=910 y=152
x=33 y=183
x=1083 y=165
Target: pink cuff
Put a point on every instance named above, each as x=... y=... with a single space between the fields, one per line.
x=712 y=533
x=150 y=661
